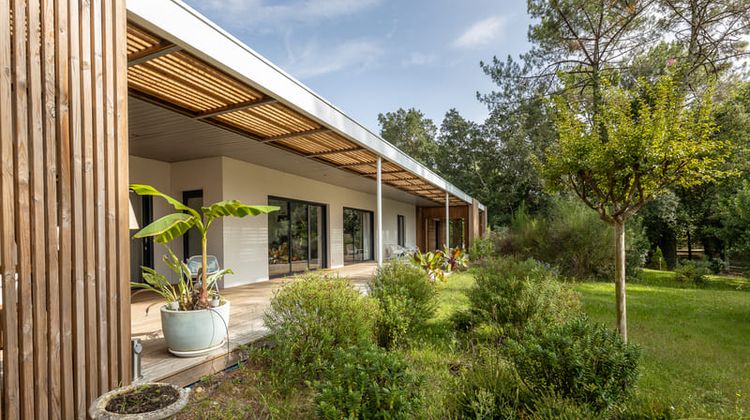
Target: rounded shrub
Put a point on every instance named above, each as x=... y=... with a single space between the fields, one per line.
x=312 y=316
x=407 y=299
x=514 y=295
x=367 y=383
x=581 y=361
x=489 y=388
x=692 y=272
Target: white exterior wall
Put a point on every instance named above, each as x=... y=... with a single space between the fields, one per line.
x=242 y=244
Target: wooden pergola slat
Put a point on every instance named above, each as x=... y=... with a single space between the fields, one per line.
x=295 y=135
x=236 y=107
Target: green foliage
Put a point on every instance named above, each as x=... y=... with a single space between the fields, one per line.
x=312 y=316
x=657 y=259
x=514 y=295
x=481 y=248
x=550 y=406
x=735 y=217
x=407 y=300
x=367 y=383
x=572 y=238
x=693 y=272
x=582 y=361
x=175 y=225
x=489 y=389
x=640 y=142
x=432 y=262
x=455 y=259
x=412 y=132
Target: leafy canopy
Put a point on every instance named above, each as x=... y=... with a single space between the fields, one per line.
x=641 y=142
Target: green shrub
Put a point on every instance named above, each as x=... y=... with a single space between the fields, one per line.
x=692 y=272
x=481 y=248
x=514 y=295
x=367 y=383
x=581 y=361
x=573 y=238
x=312 y=316
x=551 y=406
x=657 y=259
x=489 y=388
x=407 y=300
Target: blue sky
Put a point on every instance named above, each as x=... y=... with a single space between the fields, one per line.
x=371 y=56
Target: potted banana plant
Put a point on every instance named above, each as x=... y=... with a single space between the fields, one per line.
x=195 y=318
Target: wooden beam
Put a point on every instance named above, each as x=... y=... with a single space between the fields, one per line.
x=154 y=51
x=236 y=107
x=296 y=135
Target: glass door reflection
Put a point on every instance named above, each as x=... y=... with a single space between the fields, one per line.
x=296 y=237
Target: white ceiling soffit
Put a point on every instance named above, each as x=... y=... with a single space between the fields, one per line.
x=180 y=24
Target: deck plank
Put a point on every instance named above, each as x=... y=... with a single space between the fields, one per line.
x=245 y=326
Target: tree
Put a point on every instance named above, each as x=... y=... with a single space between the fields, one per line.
x=636 y=144
x=412 y=132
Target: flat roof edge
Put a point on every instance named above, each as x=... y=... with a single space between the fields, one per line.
x=181 y=24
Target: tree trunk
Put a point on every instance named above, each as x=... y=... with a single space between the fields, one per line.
x=689 y=245
x=622 y=324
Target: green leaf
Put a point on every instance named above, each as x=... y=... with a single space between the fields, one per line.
x=168 y=227
x=236 y=209
x=142 y=189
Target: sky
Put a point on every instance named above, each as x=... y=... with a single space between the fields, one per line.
x=373 y=56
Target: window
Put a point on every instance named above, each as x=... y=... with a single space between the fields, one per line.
x=141 y=250
x=191 y=242
x=296 y=237
x=358 y=235
x=401 y=226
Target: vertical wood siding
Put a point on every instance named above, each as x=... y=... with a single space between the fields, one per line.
x=64 y=251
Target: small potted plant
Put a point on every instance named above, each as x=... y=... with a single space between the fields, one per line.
x=195 y=318
x=142 y=401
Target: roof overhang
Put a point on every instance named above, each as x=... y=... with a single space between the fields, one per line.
x=175 y=52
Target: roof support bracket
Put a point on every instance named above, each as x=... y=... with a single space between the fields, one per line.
x=152 y=52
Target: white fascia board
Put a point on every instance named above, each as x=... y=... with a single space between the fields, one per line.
x=185 y=27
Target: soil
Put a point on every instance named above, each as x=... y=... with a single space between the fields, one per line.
x=143 y=399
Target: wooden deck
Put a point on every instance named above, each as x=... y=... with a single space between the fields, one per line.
x=245 y=326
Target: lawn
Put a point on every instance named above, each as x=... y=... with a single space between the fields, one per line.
x=695 y=342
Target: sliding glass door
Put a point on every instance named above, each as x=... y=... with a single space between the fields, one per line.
x=358 y=235
x=296 y=237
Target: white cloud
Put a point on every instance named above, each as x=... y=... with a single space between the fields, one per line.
x=481 y=33
x=314 y=60
x=264 y=14
x=419 y=59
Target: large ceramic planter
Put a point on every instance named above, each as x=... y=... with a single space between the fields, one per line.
x=194 y=333
x=98 y=409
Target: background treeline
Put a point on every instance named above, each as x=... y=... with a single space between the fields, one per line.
x=700 y=43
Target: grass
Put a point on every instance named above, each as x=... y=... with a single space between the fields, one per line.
x=696 y=358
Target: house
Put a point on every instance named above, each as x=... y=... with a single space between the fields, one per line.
x=155 y=93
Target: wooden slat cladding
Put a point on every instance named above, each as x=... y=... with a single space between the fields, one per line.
x=64 y=250
x=179 y=81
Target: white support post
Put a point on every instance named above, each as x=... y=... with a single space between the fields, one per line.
x=447 y=220
x=380 y=211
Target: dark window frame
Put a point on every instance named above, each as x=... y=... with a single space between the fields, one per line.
x=372 y=235
x=186 y=195
x=401 y=230
x=324 y=229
